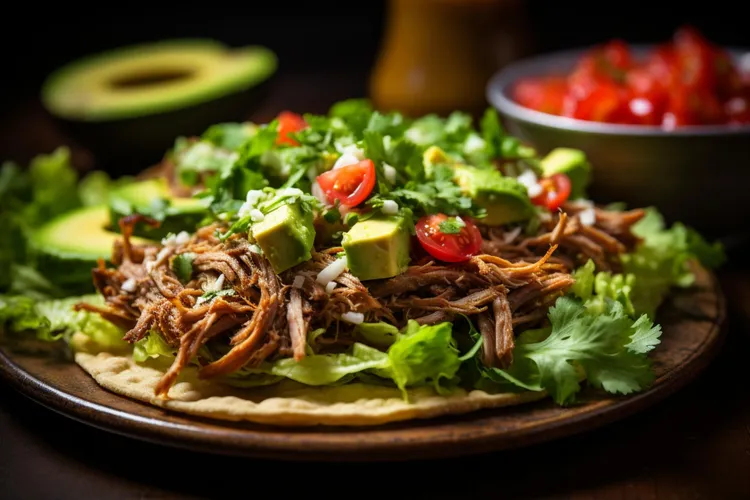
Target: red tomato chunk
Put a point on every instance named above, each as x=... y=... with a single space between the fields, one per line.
x=687 y=81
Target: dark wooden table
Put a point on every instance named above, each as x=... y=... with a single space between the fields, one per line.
x=695 y=444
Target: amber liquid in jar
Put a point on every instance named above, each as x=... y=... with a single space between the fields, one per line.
x=437 y=55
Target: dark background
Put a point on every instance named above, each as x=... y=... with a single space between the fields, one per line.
x=315 y=36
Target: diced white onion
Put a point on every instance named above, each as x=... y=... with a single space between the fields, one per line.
x=460 y=220
x=253 y=196
x=162 y=254
x=473 y=144
x=255 y=248
x=390 y=173
x=390 y=207
x=256 y=215
x=534 y=190
x=330 y=287
x=332 y=271
x=219 y=283
x=298 y=282
x=317 y=191
x=169 y=240
x=343 y=210
x=345 y=159
x=530 y=181
x=289 y=192
x=182 y=238
x=528 y=178
x=353 y=317
x=128 y=285
x=244 y=210
x=353 y=150
x=511 y=235
x=587 y=216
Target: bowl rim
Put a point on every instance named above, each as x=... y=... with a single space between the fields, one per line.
x=497 y=93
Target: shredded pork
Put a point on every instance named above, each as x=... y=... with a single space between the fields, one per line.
x=235 y=298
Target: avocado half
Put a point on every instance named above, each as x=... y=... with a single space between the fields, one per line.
x=128 y=105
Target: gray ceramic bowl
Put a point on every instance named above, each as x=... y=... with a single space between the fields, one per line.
x=698 y=174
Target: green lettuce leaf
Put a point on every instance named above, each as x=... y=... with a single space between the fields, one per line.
x=55 y=319
x=420 y=355
x=662 y=261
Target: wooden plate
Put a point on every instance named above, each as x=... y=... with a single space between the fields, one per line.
x=691 y=322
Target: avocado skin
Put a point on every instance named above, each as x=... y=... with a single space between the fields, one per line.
x=128 y=146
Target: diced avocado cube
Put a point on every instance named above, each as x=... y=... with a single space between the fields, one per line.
x=286 y=236
x=574 y=164
x=377 y=248
x=504 y=198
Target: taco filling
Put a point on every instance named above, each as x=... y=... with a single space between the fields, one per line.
x=361 y=247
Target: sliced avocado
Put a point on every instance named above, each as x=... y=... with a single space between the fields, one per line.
x=378 y=248
x=128 y=104
x=504 y=198
x=68 y=247
x=286 y=236
x=145 y=197
x=153 y=78
x=574 y=164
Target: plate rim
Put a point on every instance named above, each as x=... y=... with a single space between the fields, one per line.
x=593 y=415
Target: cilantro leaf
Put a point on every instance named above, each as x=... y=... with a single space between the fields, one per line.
x=212 y=294
x=451 y=225
x=436 y=195
x=230 y=136
x=607 y=349
x=182 y=266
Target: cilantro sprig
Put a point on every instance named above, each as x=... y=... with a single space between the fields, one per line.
x=451 y=225
x=608 y=349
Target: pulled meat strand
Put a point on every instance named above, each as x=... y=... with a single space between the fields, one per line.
x=261 y=315
x=295 y=317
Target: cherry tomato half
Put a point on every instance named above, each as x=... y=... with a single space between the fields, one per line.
x=448 y=246
x=350 y=185
x=288 y=123
x=555 y=191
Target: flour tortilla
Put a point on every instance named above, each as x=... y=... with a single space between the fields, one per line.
x=284 y=404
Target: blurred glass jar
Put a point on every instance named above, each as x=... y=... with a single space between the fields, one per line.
x=436 y=56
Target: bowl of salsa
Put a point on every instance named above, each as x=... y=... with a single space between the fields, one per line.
x=666 y=124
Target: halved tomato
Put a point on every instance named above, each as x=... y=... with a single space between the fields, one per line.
x=449 y=239
x=350 y=185
x=555 y=192
x=288 y=123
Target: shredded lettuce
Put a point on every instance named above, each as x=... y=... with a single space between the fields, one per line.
x=419 y=355
x=152 y=346
x=29 y=197
x=662 y=261
x=55 y=319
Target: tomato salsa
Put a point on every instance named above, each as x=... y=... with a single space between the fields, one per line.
x=686 y=81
